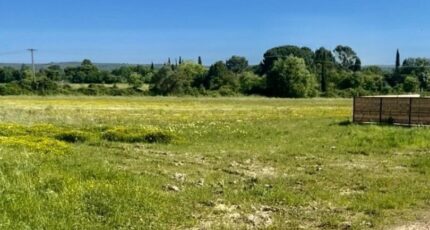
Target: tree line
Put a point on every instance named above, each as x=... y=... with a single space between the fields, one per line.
x=286 y=71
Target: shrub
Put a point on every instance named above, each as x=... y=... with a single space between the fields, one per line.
x=158 y=137
x=121 y=134
x=72 y=137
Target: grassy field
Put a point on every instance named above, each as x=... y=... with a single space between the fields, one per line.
x=187 y=163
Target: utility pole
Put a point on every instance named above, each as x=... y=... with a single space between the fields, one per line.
x=32 y=63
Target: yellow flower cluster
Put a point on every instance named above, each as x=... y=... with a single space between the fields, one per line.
x=36 y=144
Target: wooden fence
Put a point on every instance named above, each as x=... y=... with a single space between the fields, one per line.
x=394 y=110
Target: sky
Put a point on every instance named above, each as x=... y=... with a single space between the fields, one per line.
x=145 y=31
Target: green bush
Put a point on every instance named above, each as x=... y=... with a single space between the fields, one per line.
x=158 y=137
x=72 y=137
x=138 y=135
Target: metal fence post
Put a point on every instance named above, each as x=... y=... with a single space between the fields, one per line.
x=380 y=109
x=410 y=111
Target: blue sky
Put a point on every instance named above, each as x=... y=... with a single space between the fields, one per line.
x=141 y=31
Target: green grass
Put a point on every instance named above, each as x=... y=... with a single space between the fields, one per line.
x=219 y=163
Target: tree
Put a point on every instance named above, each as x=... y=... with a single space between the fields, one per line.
x=250 y=83
x=418 y=67
x=161 y=83
x=282 y=52
x=26 y=72
x=397 y=60
x=324 y=61
x=200 y=62
x=237 y=64
x=180 y=60
x=86 y=62
x=85 y=73
x=374 y=79
x=290 y=78
x=123 y=72
x=357 y=65
x=346 y=57
x=9 y=74
x=54 y=73
x=152 y=66
x=135 y=80
x=108 y=78
x=219 y=75
x=411 y=84
x=179 y=82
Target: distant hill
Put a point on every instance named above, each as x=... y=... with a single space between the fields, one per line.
x=101 y=66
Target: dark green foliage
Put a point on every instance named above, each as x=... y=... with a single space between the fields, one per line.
x=177 y=82
x=8 y=74
x=158 y=137
x=337 y=73
x=12 y=89
x=72 y=137
x=411 y=84
x=237 y=64
x=290 y=78
x=347 y=58
x=324 y=62
x=398 y=60
x=98 y=90
x=272 y=55
x=137 y=135
x=220 y=76
x=86 y=73
x=418 y=68
x=163 y=81
x=54 y=73
x=252 y=84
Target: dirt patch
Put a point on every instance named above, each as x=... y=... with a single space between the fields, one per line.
x=422 y=224
x=224 y=216
x=251 y=169
x=414 y=226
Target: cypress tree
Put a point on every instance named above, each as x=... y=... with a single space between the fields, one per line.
x=152 y=66
x=397 y=60
x=180 y=60
x=200 y=61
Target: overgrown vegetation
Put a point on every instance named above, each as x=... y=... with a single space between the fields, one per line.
x=286 y=71
x=134 y=135
x=241 y=163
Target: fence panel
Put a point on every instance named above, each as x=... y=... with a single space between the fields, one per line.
x=395 y=110
x=420 y=111
x=366 y=110
x=409 y=111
